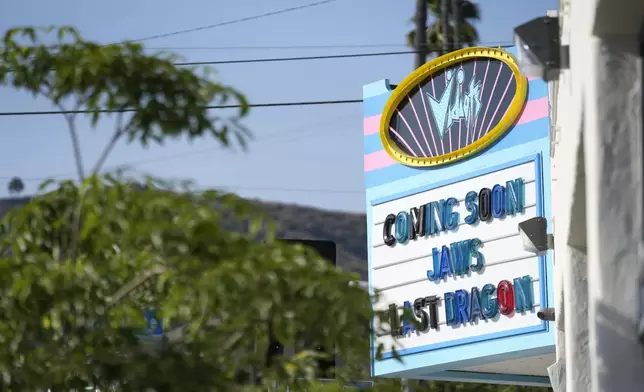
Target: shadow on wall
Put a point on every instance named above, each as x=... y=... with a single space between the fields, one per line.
x=620 y=367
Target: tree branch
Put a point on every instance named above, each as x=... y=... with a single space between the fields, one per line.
x=111 y=144
x=134 y=283
x=71 y=124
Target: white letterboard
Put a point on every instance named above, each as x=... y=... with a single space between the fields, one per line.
x=400 y=272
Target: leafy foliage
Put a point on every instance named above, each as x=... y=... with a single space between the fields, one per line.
x=162 y=100
x=436 y=39
x=82 y=261
x=16 y=185
x=63 y=321
x=293 y=221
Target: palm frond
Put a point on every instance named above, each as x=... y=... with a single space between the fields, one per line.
x=470 y=13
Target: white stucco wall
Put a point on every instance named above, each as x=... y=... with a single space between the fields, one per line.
x=597 y=197
x=613 y=211
x=569 y=206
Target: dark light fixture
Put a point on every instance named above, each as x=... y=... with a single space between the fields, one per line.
x=539 y=49
x=534 y=233
x=546 y=314
x=535 y=237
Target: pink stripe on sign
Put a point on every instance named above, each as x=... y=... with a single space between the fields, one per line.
x=371 y=125
x=534 y=110
x=377 y=160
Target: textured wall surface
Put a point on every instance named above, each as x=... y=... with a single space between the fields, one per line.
x=612 y=138
x=597 y=197
x=571 y=217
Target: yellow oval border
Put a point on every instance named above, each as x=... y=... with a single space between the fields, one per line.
x=439 y=63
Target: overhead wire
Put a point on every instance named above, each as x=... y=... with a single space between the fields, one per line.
x=276 y=104
x=283 y=59
x=278 y=189
x=301 y=58
x=260 y=105
x=221 y=24
x=232 y=106
x=233 y=21
x=300 y=47
x=304 y=58
x=137 y=163
x=274 y=47
x=284 y=189
x=298 y=58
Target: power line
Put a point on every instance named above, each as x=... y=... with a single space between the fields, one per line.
x=256 y=105
x=282 y=59
x=284 y=189
x=271 y=136
x=234 y=21
x=280 y=189
x=277 y=47
x=289 y=47
x=304 y=58
x=300 y=58
x=265 y=105
x=277 y=189
x=132 y=164
x=298 y=47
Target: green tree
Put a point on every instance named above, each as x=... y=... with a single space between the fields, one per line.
x=436 y=40
x=84 y=258
x=16 y=186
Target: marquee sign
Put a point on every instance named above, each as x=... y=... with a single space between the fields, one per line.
x=453 y=256
x=453 y=107
x=455 y=157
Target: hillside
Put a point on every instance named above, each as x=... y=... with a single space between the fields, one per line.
x=347 y=230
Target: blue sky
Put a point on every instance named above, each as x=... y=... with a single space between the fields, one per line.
x=304 y=155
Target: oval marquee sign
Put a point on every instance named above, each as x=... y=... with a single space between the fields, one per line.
x=453 y=107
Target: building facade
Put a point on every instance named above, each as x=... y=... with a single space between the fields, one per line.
x=597 y=196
